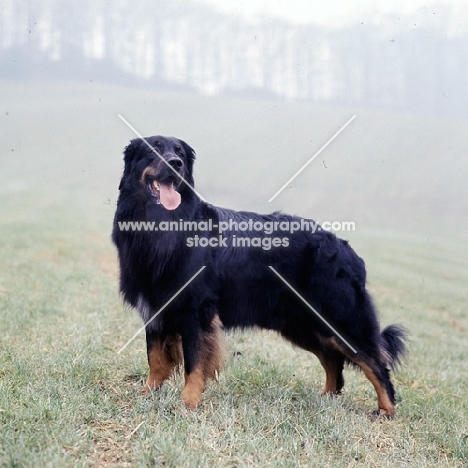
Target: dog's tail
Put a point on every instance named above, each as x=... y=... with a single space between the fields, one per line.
x=393 y=341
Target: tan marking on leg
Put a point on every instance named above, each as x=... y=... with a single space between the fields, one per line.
x=173 y=346
x=331 y=374
x=212 y=350
x=162 y=358
x=209 y=363
x=194 y=386
x=386 y=407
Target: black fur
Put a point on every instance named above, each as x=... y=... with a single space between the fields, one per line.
x=237 y=284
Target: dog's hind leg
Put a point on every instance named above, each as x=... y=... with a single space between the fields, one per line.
x=203 y=358
x=376 y=371
x=333 y=363
x=164 y=353
x=332 y=360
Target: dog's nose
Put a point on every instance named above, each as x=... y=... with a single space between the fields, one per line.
x=175 y=162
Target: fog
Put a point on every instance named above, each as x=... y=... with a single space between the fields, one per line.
x=260 y=95
x=414 y=62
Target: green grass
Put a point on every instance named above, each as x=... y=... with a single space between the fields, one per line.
x=68 y=399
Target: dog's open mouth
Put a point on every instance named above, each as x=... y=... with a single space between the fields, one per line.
x=165 y=193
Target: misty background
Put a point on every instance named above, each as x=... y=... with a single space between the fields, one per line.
x=417 y=63
x=256 y=98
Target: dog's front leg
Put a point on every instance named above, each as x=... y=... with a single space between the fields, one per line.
x=163 y=355
x=202 y=359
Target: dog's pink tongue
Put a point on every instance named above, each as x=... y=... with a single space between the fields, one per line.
x=170 y=198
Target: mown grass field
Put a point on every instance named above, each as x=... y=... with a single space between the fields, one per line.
x=68 y=399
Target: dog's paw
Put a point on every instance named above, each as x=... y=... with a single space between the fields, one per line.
x=191 y=399
x=382 y=414
x=326 y=392
x=150 y=387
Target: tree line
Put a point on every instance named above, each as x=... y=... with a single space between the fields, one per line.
x=420 y=66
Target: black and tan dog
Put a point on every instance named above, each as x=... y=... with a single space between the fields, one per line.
x=237 y=289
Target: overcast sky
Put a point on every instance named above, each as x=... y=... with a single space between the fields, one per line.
x=327 y=12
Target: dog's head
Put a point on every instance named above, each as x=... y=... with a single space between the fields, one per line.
x=158 y=168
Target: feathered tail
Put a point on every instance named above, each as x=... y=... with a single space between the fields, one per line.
x=393 y=340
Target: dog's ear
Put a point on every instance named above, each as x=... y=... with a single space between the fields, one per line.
x=129 y=154
x=189 y=151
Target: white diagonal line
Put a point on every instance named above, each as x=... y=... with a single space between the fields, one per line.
x=161 y=309
x=312 y=309
x=312 y=158
x=162 y=159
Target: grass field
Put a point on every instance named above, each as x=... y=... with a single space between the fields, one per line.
x=68 y=399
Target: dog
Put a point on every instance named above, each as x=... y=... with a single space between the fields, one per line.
x=309 y=286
